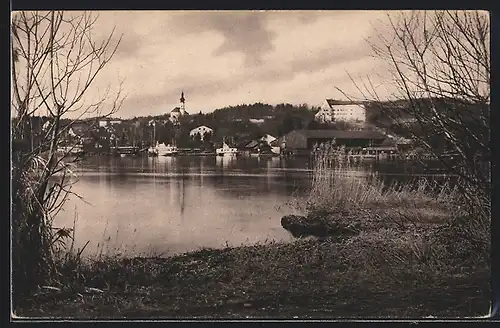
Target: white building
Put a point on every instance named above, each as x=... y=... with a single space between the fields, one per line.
x=176 y=113
x=256 y=120
x=347 y=111
x=324 y=115
x=267 y=138
x=338 y=110
x=46 y=126
x=202 y=131
x=108 y=122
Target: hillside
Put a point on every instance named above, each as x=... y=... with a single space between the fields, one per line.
x=261 y=111
x=388 y=112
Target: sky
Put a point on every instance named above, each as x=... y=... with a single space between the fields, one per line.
x=223 y=58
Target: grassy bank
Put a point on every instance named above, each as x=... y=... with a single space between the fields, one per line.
x=416 y=252
x=306 y=278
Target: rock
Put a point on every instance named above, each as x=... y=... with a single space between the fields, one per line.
x=316 y=225
x=301 y=226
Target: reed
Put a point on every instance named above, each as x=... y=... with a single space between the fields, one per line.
x=35 y=239
x=463 y=217
x=342 y=184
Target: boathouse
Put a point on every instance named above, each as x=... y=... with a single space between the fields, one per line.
x=305 y=140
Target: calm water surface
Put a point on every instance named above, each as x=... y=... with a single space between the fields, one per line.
x=176 y=204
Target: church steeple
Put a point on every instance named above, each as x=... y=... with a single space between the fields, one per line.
x=183 y=103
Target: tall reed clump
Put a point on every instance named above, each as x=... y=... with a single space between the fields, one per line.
x=35 y=239
x=470 y=229
x=339 y=183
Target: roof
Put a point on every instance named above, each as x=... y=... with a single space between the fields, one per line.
x=341 y=134
x=202 y=126
x=333 y=102
x=176 y=110
x=388 y=142
x=268 y=136
x=252 y=144
x=80 y=127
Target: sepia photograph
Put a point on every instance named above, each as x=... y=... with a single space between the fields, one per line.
x=250 y=164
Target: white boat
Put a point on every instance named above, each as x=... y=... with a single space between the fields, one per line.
x=226 y=150
x=166 y=150
x=152 y=151
x=161 y=149
x=70 y=150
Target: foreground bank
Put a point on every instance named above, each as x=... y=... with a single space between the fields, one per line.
x=390 y=272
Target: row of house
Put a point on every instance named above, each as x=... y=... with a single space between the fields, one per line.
x=296 y=141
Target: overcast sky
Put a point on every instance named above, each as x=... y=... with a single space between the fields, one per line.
x=222 y=58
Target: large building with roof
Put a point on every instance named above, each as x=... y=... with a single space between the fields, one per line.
x=305 y=140
x=339 y=110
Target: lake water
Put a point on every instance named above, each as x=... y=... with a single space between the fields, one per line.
x=176 y=204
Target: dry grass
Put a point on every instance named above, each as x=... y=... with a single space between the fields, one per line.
x=375 y=275
x=35 y=239
x=339 y=184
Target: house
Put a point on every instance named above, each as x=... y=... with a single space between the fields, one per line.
x=267 y=138
x=305 y=140
x=256 y=120
x=80 y=130
x=109 y=122
x=340 y=110
x=83 y=133
x=264 y=142
x=177 y=113
x=252 y=145
x=47 y=125
x=201 y=131
x=277 y=145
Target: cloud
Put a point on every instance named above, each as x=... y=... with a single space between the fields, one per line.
x=232 y=57
x=246 y=34
x=243 y=32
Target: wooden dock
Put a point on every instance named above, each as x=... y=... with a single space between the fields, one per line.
x=125 y=150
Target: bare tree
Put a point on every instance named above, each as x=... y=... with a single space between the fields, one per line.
x=439 y=66
x=55 y=61
x=439 y=62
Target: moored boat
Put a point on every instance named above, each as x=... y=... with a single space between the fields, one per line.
x=166 y=150
x=226 y=150
x=152 y=151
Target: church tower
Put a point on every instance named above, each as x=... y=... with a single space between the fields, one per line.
x=183 y=104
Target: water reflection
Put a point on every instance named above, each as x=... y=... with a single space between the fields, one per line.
x=177 y=204
x=226 y=161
